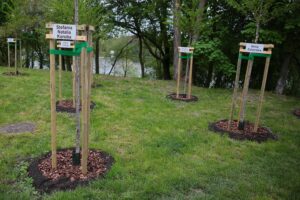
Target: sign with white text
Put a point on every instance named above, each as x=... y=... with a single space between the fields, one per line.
x=254 y=48
x=64 y=31
x=65 y=44
x=11 y=40
x=186 y=49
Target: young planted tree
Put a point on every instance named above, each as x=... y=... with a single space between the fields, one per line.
x=76 y=154
x=260 y=13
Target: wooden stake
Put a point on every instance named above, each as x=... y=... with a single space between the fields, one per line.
x=245 y=91
x=53 y=106
x=261 y=97
x=74 y=84
x=21 y=54
x=236 y=86
x=190 y=77
x=178 y=75
x=8 y=55
x=85 y=86
x=59 y=77
x=16 y=58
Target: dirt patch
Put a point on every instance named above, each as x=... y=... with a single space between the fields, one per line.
x=14 y=74
x=297 y=112
x=263 y=133
x=67 y=176
x=18 y=128
x=67 y=106
x=182 y=97
x=96 y=85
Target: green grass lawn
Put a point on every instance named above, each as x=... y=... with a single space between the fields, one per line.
x=162 y=149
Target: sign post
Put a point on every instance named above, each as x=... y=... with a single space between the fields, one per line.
x=65 y=32
x=253 y=50
x=9 y=40
x=189 y=56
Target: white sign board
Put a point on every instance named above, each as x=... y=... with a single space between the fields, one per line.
x=254 y=48
x=65 y=44
x=11 y=40
x=186 y=49
x=64 y=31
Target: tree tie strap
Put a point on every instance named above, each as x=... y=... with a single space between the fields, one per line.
x=252 y=55
x=75 y=52
x=187 y=56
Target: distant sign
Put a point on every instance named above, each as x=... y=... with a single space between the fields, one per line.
x=254 y=48
x=186 y=49
x=65 y=44
x=64 y=31
x=11 y=40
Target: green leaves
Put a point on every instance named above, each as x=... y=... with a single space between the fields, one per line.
x=210 y=53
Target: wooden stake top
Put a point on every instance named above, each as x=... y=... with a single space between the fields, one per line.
x=267 y=48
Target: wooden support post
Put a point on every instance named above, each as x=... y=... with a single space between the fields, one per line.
x=16 y=58
x=190 y=77
x=85 y=86
x=8 y=54
x=90 y=72
x=236 y=86
x=21 y=54
x=53 y=106
x=74 y=80
x=244 y=94
x=178 y=75
x=59 y=77
x=261 y=97
x=81 y=76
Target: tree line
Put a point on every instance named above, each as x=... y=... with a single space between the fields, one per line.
x=214 y=28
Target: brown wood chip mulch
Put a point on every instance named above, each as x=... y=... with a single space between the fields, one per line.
x=67 y=106
x=67 y=176
x=12 y=129
x=296 y=112
x=96 y=85
x=263 y=133
x=182 y=97
x=14 y=74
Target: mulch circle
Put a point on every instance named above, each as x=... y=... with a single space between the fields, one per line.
x=67 y=106
x=67 y=176
x=262 y=134
x=14 y=74
x=182 y=97
x=96 y=85
x=296 y=112
x=18 y=128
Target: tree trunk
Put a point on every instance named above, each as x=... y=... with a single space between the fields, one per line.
x=32 y=58
x=141 y=57
x=63 y=63
x=195 y=35
x=27 y=59
x=177 y=36
x=166 y=45
x=284 y=72
x=41 y=59
x=97 y=55
x=209 y=76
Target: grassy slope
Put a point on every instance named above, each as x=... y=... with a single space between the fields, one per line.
x=163 y=149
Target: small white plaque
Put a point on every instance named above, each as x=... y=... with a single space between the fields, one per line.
x=186 y=49
x=64 y=31
x=254 y=48
x=11 y=40
x=65 y=44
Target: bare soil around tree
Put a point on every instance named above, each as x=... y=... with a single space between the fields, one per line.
x=182 y=97
x=263 y=133
x=67 y=176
